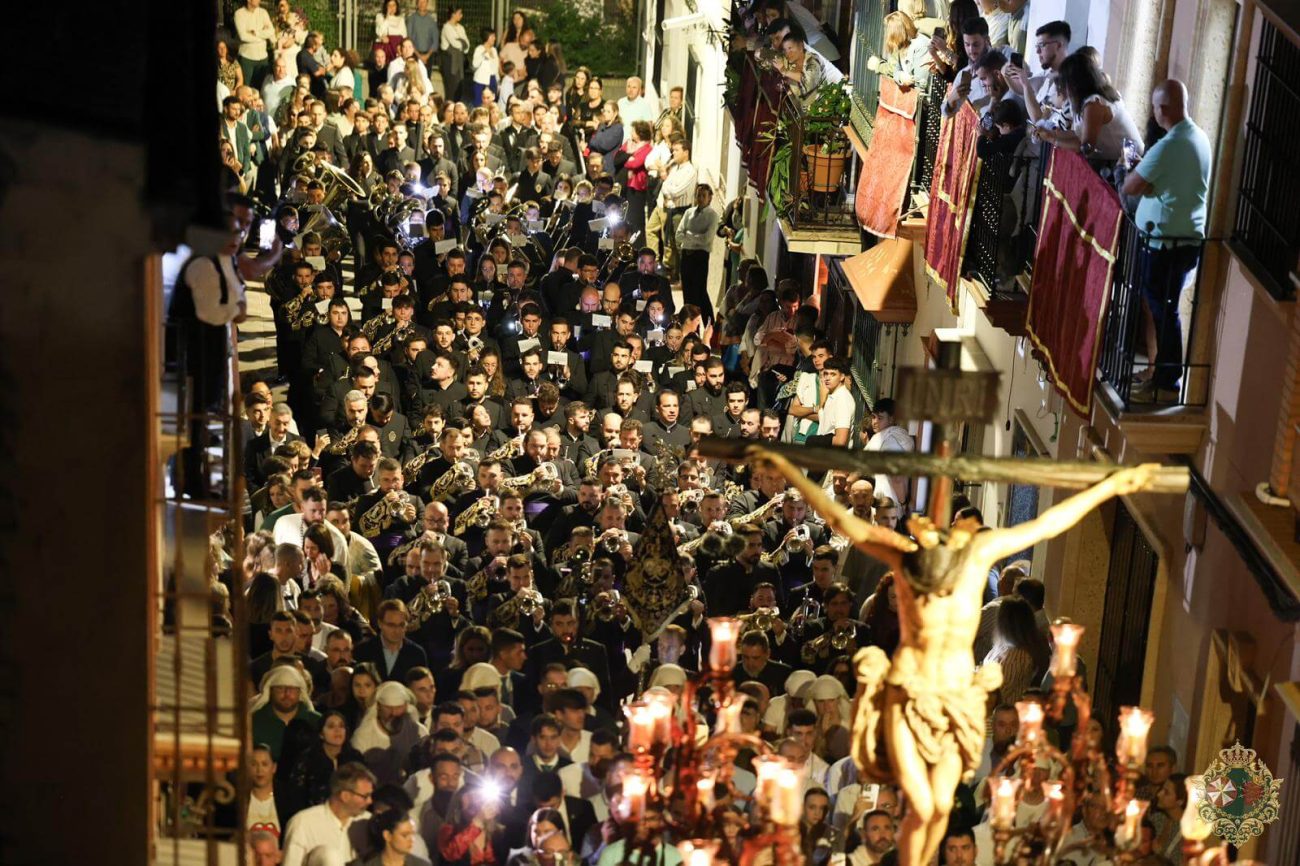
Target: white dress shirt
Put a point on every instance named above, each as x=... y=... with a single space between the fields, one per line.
x=314 y=827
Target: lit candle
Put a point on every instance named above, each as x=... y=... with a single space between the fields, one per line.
x=635 y=787
x=640 y=727
x=786 y=802
x=1031 y=722
x=704 y=792
x=729 y=717
x=1193 y=826
x=765 y=769
x=1134 y=724
x=661 y=711
x=697 y=852
x=1065 y=659
x=1002 y=806
x=1054 y=792
x=724 y=631
x=1126 y=834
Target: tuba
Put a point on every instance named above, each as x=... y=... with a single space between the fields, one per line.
x=526 y=603
x=478 y=515
x=380 y=516
x=760 y=620
x=412 y=467
x=841 y=640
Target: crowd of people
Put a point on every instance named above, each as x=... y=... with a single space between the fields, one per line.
x=445 y=494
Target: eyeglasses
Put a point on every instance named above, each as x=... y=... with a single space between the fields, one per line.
x=366 y=797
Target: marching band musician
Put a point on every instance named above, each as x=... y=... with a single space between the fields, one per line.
x=388 y=516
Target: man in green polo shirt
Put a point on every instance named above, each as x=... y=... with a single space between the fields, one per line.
x=1172 y=181
x=283 y=701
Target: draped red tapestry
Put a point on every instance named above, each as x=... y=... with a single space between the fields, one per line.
x=752 y=117
x=1077 y=239
x=883 y=190
x=952 y=194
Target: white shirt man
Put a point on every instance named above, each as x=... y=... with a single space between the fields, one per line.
x=218 y=291
x=292 y=528
x=253 y=24
x=327 y=824
x=678 y=189
x=888 y=436
x=635 y=106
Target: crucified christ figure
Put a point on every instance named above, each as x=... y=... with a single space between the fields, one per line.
x=919 y=718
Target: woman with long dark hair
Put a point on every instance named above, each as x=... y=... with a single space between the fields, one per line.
x=576 y=93
x=310 y=774
x=472 y=835
x=947 y=50
x=485 y=64
x=1101 y=121
x=1020 y=648
x=390 y=27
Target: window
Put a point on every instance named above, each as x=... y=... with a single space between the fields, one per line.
x=1268 y=223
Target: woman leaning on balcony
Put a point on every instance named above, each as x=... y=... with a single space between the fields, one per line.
x=907 y=57
x=1101 y=121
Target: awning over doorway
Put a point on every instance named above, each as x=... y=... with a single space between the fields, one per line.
x=882 y=279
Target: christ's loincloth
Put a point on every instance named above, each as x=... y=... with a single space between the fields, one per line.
x=939 y=720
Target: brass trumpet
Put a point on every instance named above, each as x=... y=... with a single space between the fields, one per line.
x=543 y=476
x=478 y=515
x=458 y=479
x=508 y=451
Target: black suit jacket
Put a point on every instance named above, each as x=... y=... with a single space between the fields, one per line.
x=258 y=450
x=584 y=653
x=409 y=656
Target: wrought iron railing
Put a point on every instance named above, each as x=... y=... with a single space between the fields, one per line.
x=1004 y=218
x=1267 y=231
x=808 y=177
x=200 y=682
x=1127 y=347
x=824 y=170
x=928 y=117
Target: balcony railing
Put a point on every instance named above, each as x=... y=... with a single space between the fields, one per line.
x=810 y=188
x=823 y=172
x=928 y=118
x=1131 y=335
x=1000 y=249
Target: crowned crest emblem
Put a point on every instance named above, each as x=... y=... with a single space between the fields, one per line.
x=1241 y=795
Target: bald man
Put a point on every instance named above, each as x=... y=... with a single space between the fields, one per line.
x=1172 y=181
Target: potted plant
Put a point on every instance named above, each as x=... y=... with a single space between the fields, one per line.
x=826 y=147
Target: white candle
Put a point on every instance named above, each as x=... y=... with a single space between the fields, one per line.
x=704 y=792
x=640 y=726
x=786 y=802
x=1126 y=834
x=1002 y=806
x=724 y=631
x=635 y=786
x=1065 y=659
x=1031 y=722
x=1134 y=725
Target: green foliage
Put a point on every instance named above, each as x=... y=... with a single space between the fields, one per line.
x=828 y=113
x=779 y=199
x=607 y=48
x=321 y=15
